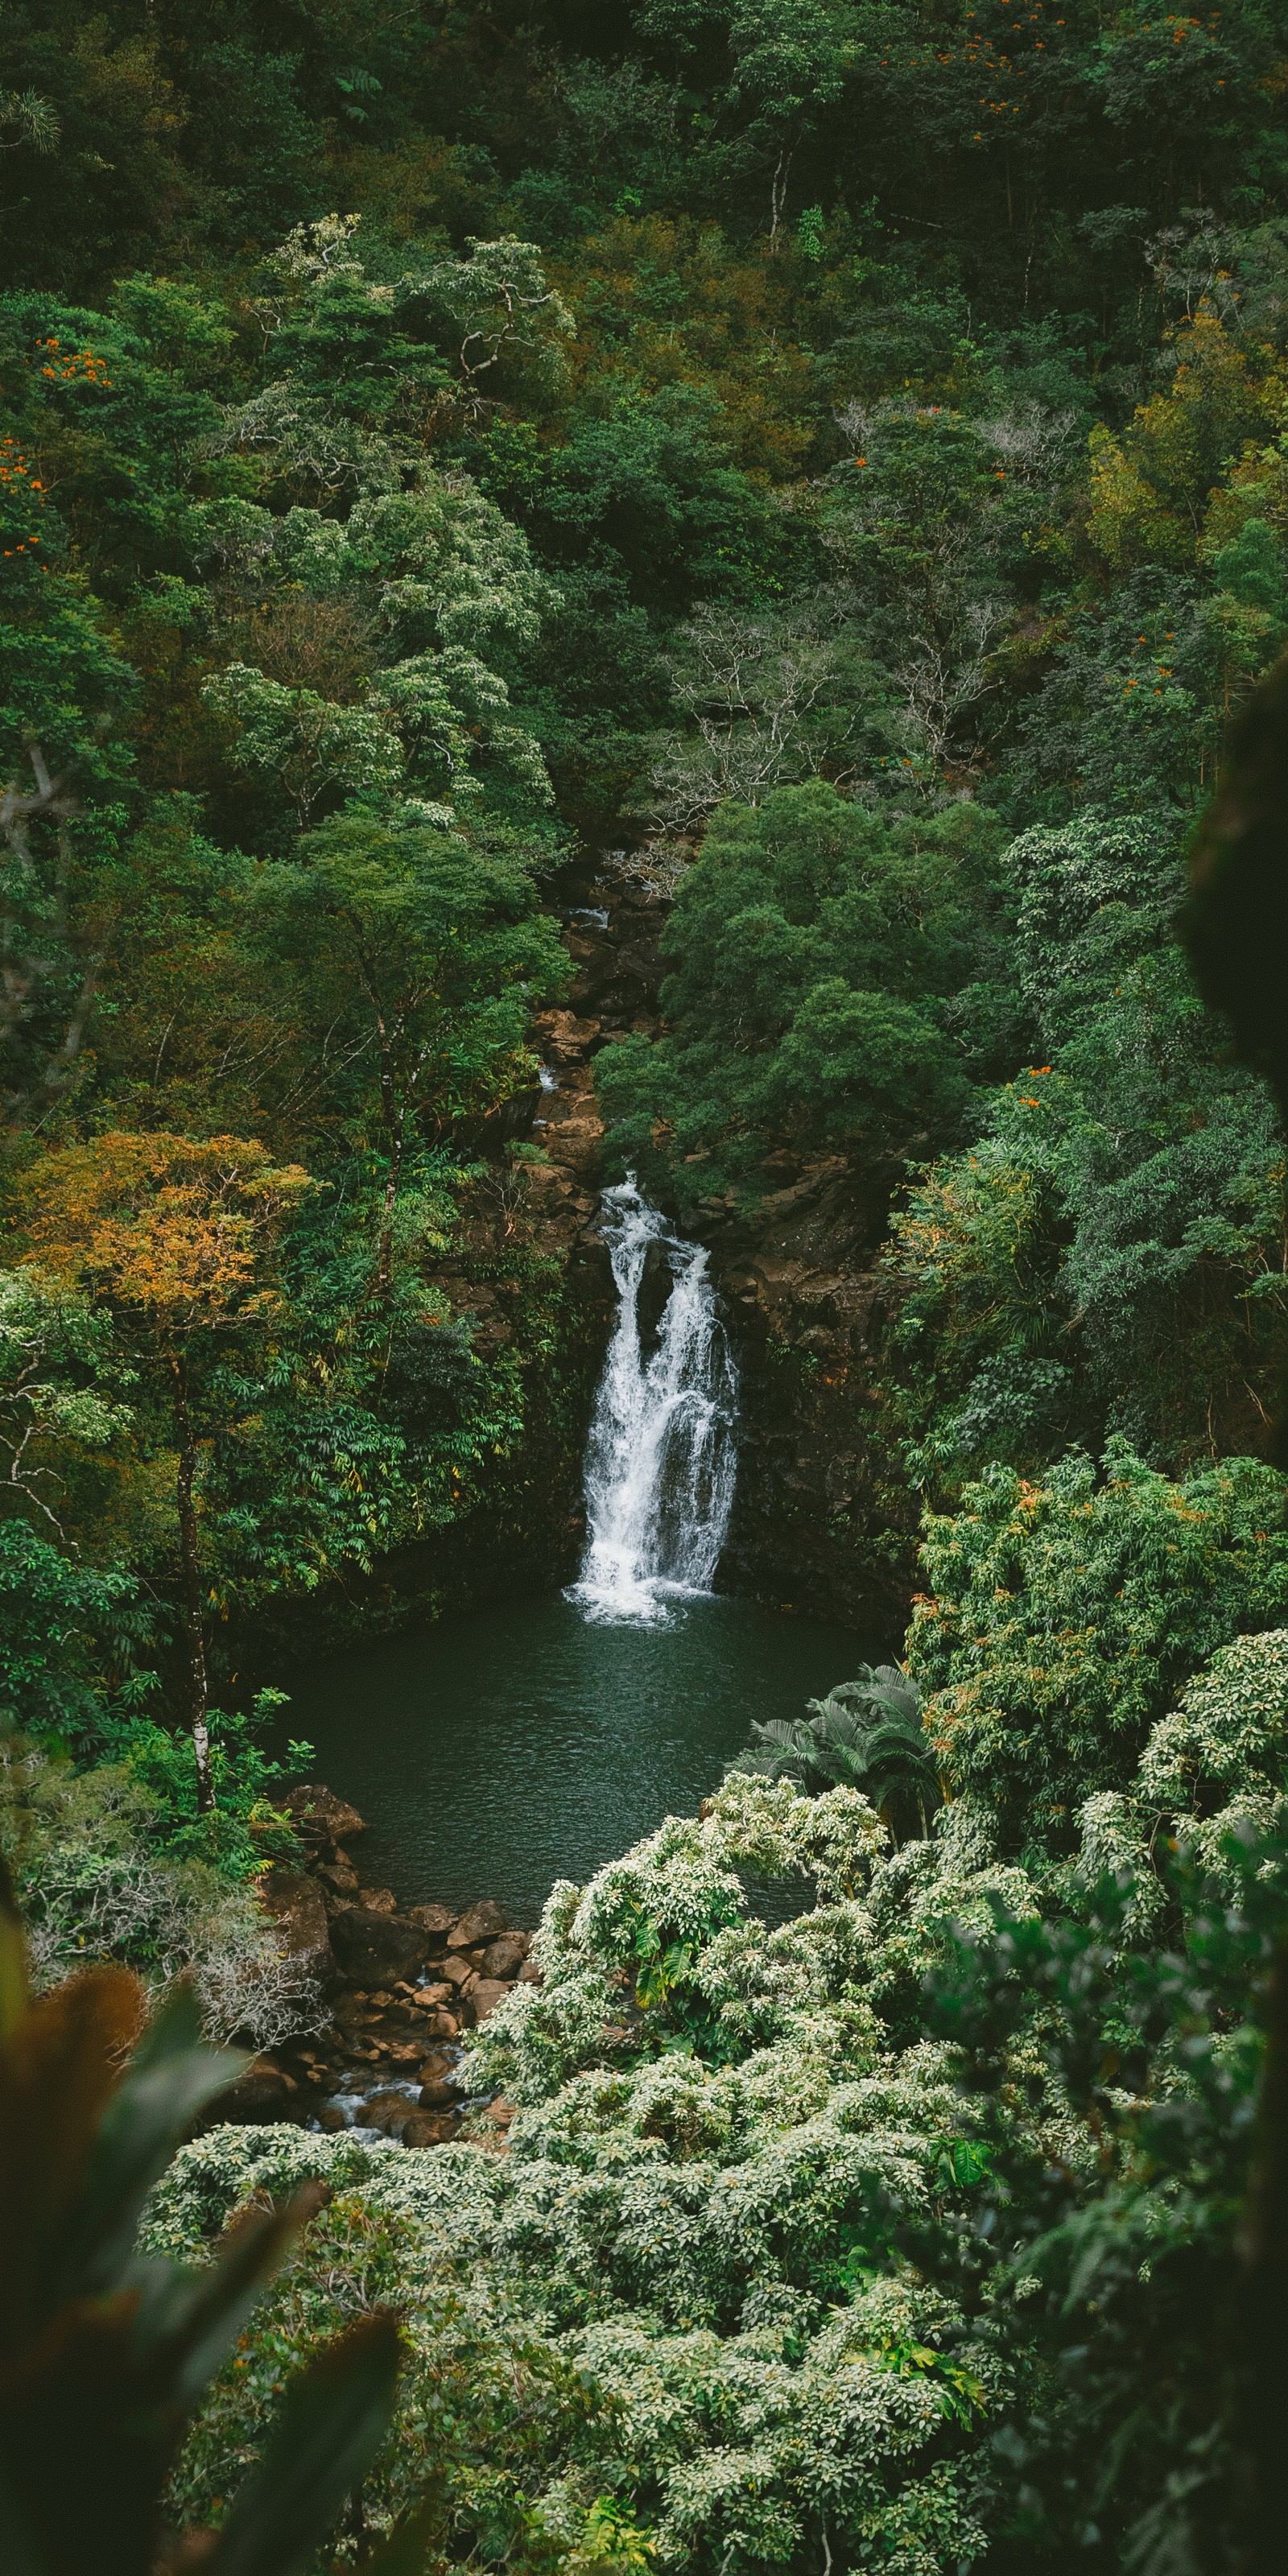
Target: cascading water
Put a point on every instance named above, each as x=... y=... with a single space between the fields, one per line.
x=661 y=1459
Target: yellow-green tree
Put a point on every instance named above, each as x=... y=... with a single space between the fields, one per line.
x=178 y=1236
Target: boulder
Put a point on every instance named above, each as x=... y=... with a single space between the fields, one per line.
x=482 y=1923
x=436 y=2065
x=429 y=2129
x=505 y=1957
x=378 y=1900
x=353 y=2012
x=440 y=2094
x=331 y=2117
x=442 y=2025
x=459 y=1971
x=486 y=1994
x=294 y=1901
x=385 y=2111
x=319 y=1816
x=376 y=1949
x=338 y=1877
x=427 y=1998
x=258 y=2098
x=431 y=1918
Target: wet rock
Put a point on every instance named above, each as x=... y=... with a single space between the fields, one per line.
x=440 y=2094
x=331 y=2117
x=378 y=1948
x=529 y=1973
x=458 y=1971
x=481 y=1923
x=262 y=2095
x=319 y=1816
x=485 y=1994
x=294 y=1901
x=427 y=1998
x=385 y=2112
x=505 y=1957
x=435 y=2066
x=429 y=2129
x=442 y=2025
x=500 y=2113
x=337 y=1876
x=378 y=1900
x=811 y=1314
x=353 y=2012
x=431 y=1918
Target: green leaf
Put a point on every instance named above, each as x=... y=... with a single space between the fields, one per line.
x=188 y=2320
x=170 y=2075
x=332 y=2420
x=412 y=2539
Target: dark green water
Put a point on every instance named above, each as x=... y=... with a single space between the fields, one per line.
x=524 y=1743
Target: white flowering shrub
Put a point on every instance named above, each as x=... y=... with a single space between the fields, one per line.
x=1215 y=1767
x=92 y=1886
x=725 y=2292
x=696 y=2219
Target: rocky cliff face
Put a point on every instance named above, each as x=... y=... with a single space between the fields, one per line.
x=818 y=1524
x=528 y=1263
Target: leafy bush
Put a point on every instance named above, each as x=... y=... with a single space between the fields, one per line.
x=1064 y=1616
x=867 y=1734
x=815 y=949
x=768 y=2261
x=63 y=1628
x=96 y=1883
x=1105 y=1256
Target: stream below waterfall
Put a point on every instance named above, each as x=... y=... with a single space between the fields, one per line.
x=534 y=1739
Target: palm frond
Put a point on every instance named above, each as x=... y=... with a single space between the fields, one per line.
x=867 y=1734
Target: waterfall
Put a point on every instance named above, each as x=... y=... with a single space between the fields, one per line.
x=661 y=1459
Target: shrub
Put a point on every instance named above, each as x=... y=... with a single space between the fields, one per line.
x=94 y=1886
x=1066 y=1614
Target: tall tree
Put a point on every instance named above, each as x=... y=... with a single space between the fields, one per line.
x=178 y=1236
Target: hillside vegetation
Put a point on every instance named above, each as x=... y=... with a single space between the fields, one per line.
x=841 y=447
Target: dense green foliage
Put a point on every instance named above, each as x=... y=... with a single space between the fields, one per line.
x=427 y=441
x=818 y=948
x=830 y=2220
x=436 y=444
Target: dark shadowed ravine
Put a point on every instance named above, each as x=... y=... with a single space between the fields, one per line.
x=525 y=1742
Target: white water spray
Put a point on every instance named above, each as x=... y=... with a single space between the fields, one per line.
x=661 y=1459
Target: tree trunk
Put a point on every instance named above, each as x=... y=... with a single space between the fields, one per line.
x=384 y=1288
x=193 y=1626
x=394 y=1119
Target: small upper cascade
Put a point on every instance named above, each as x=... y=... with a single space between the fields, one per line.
x=661 y=1458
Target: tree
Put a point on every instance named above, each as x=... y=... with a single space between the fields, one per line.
x=1064 y=1615
x=814 y=946
x=178 y=1237
x=311 y=746
x=422 y=957
x=66 y=1632
x=60 y=1379
x=867 y=1735
x=1108 y=1254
